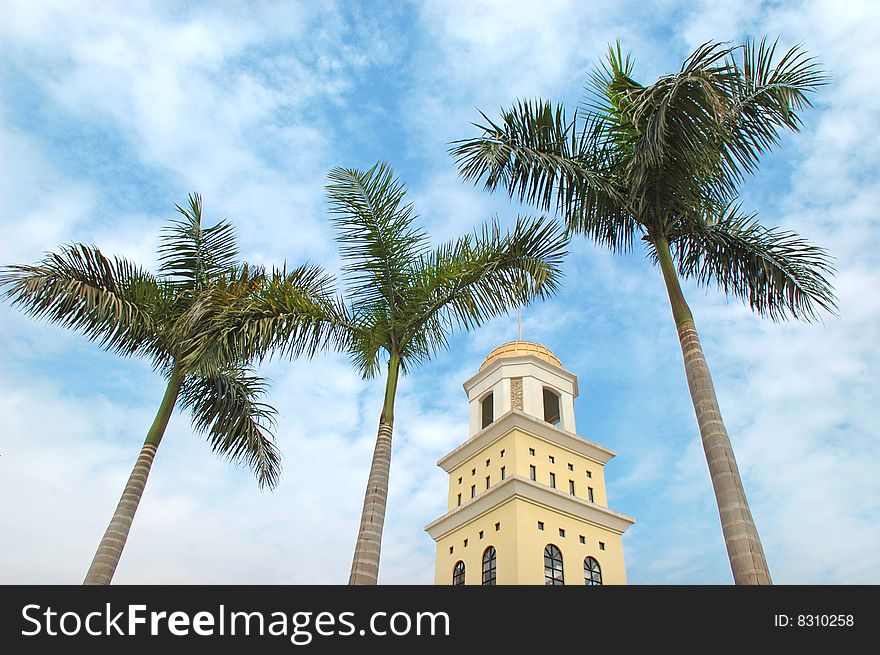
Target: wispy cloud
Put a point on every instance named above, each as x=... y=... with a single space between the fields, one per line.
x=112 y=114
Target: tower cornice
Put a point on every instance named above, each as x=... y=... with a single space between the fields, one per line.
x=517 y=487
x=514 y=361
x=516 y=419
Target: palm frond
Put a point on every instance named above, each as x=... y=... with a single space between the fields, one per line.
x=541 y=157
x=249 y=314
x=371 y=334
x=766 y=96
x=375 y=232
x=111 y=301
x=227 y=409
x=464 y=283
x=776 y=272
x=190 y=255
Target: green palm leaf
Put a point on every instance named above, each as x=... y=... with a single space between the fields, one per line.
x=249 y=314
x=226 y=407
x=111 y=301
x=375 y=232
x=777 y=272
x=191 y=255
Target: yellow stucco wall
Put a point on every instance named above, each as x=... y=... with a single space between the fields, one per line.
x=519 y=546
x=477 y=465
x=517 y=459
x=531 y=543
x=503 y=539
x=518 y=542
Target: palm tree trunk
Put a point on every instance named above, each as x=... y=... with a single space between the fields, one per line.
x=365 y=563
x=744 y=548
x=110 y=549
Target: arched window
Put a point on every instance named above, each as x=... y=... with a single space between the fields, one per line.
x=553 y=566
x=592 y=572
x=551 y=406
x=489 y=566
x=487 y=406
x=458 y=573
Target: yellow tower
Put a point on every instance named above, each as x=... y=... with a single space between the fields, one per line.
x=527 y=501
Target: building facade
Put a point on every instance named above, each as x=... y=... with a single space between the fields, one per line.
x=527 y=500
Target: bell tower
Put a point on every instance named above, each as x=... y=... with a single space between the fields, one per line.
x=527 y=501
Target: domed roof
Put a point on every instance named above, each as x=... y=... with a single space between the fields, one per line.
x=520 y=347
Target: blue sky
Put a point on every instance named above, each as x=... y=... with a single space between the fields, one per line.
x=112 y=112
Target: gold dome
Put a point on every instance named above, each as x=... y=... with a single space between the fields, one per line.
x=520 y=347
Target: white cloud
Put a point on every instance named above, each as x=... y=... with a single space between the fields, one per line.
x=251 y=107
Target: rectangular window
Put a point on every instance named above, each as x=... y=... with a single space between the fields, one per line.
x=583 y=539
x=450 y=549
x=601 y=545
x=502 y=452
x=502 y=473
x=540 y=525
x=497 y=527
x=487 y=482
x=531 y=451
x=590 y=494
x=571 y=487
x=553 y=480
x=487 y=462
x=561 y=532
x=533 y=474
x=589 y=474
x=552 y=459
x=465 y=543
x=459 y=481
x=459 y=499
x=473 y=490
x=571 y=467
x=488 y=411
x=481 y=534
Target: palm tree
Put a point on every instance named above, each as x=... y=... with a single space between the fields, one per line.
x=405 y=300
x=663 y=162
x=129 y=311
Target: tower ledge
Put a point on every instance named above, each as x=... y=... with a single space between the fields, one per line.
x=536 y=427
x=517 y=486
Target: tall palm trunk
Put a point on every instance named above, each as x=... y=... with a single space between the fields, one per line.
x=365 y=563
x=744 y=549
x=110 y=549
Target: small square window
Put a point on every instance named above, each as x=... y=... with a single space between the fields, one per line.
x=601 y=545
x=459 y=481
x=589 y=474
x=481 y=534
x=571 y=467
x=552 y=459
x=497 y=527
x=531 y=451
x=502 y=452
x=465 y=543
x=451 y=548
x=582 y=539
x=473 y=471
x=561 y=532
x=540 y=525
x=487 y=462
